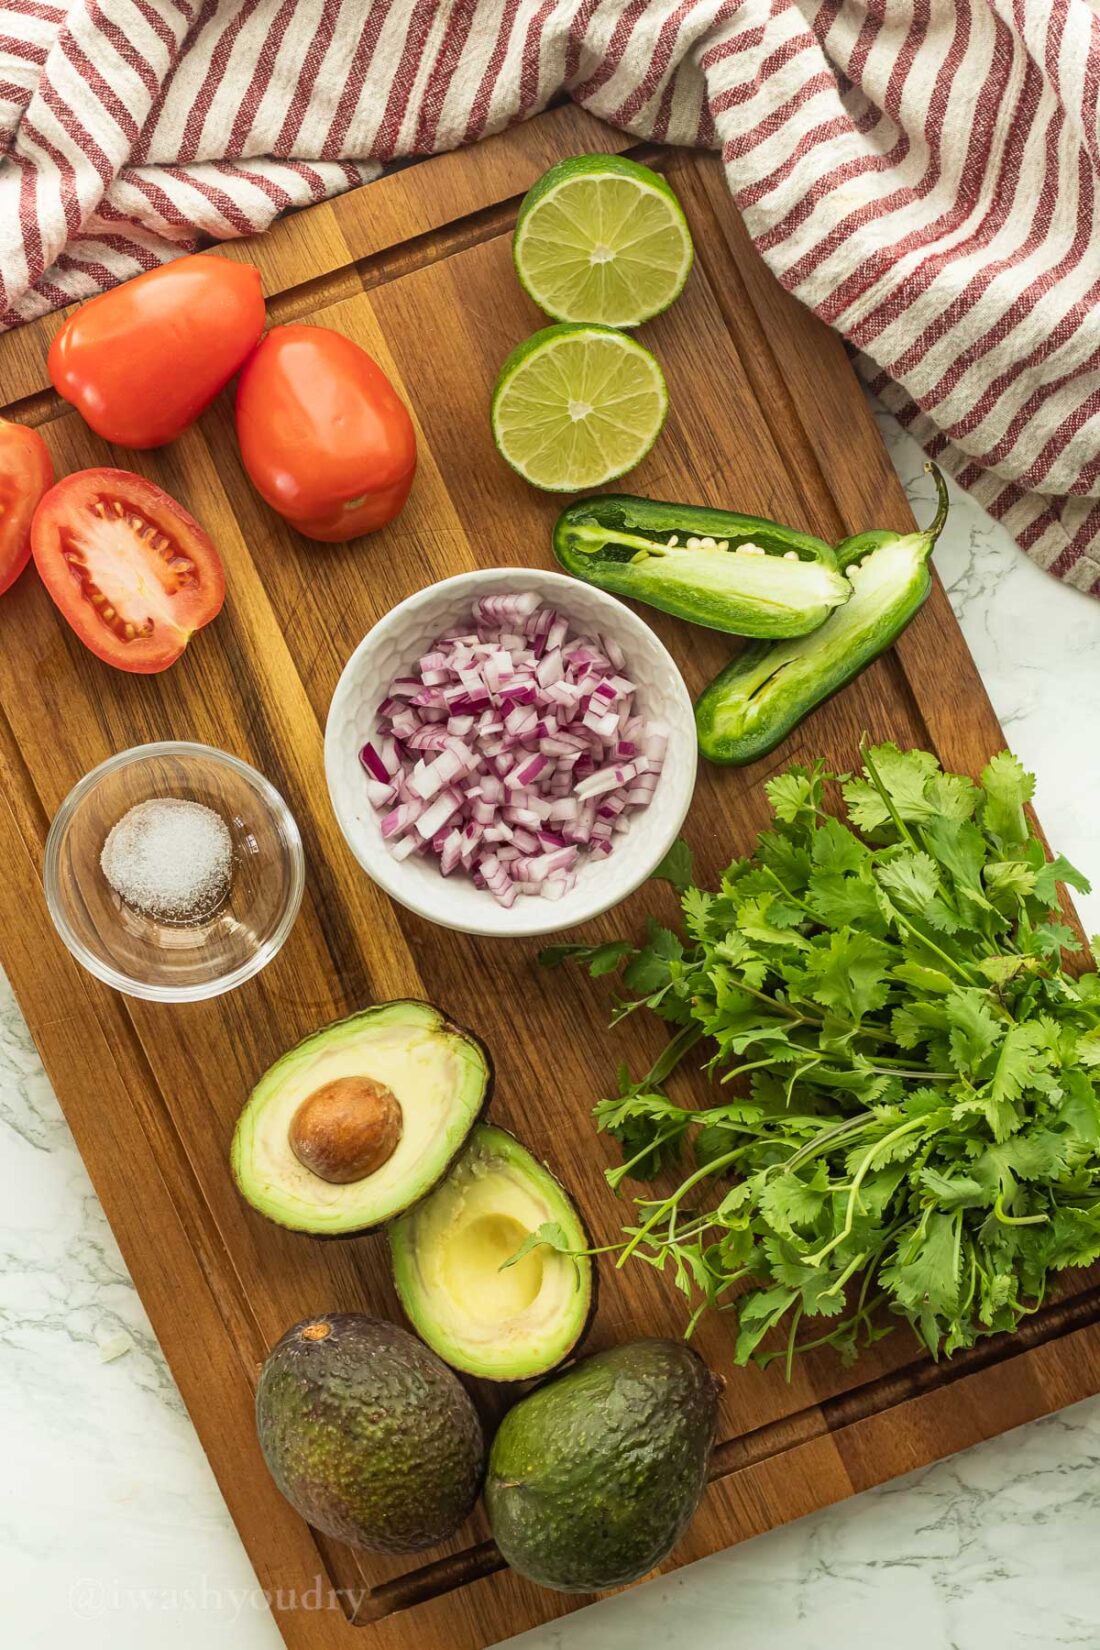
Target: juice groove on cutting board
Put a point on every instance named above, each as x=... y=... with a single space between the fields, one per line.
x=765 y=417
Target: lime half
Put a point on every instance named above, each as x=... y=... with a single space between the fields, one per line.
x=600 y=238
x=576 y=406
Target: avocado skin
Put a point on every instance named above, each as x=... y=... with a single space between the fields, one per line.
x=595 y=1477
x=369 y=1435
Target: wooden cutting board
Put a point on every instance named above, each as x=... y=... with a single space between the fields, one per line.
x=766 y=417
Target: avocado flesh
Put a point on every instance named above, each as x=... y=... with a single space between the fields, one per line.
x=368 y=1435
x=440 y=1076
x=502 y=1323
x=594 y=1478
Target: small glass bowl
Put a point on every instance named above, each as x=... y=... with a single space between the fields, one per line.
x=162 y=961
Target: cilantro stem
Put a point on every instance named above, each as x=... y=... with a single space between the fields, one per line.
x=778 y=1004
x=669 y=1203
x=796 y=1073
x=827 y=1137
x=959 y=968
x=754 y=1065
x=693 y=1321
x=861 y=1028
x=794 y=898
x=853 y=1195
x=791 y=1339
x=967 y=1305
x=887 y=800
x=1016 y=1220
x=816 y=1018
x=895 y=1068
x=861 y=1315
x=841 y=1281
x=673 y=1053
x=616 y=1176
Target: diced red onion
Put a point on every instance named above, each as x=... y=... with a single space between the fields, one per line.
x=374 y=764
x=451 y=852
x=380 y=795
x=436 y=816
x=512 y=751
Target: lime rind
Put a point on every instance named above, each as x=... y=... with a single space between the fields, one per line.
x=600 y=239
x=576 y=406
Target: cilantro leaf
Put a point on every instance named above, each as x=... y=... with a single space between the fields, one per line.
x=601 y=959
x=790 y=1202
x=678 y=866
x=549 y=1233
x=842 y=901
x=650 y=970
x=834 y=847
x=850 y=973
x=954 y=1191
x=975 y=1029
x=923 y=1273
x=796 y=794
x=1054 y=871
x=759 y=1313
x=1006 y=787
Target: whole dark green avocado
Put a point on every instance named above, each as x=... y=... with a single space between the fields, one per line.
x=594 y=1478
x=368 y=1434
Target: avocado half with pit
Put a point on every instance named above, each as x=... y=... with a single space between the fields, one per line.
x=506 y=1323
x=359 y=1121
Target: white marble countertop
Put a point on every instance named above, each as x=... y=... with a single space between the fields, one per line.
x=112 y=1530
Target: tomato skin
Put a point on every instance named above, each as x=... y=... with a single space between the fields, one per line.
x=146 y=558
x=26 y=471
x=325 y=437
x=141 y=362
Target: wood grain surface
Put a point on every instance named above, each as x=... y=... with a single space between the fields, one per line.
x=765 y=417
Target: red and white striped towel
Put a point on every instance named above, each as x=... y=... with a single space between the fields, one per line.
x=922 y=173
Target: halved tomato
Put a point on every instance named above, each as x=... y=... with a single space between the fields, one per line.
x=26 y=470
x=131 y=571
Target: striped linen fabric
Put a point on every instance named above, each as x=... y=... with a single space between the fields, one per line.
x=921 y=173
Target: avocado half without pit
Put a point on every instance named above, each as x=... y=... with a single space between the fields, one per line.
x=503 y=1322
x=359 y=1121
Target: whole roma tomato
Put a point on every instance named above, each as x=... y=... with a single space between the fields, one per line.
x=324 y=435
x=26 y=470
x=141 y=362
x=130 y=570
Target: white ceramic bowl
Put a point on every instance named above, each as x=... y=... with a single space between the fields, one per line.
x=395 y=643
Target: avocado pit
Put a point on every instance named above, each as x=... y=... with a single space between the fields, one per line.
x=346 y=1129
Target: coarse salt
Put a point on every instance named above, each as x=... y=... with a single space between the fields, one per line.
x=170 y=858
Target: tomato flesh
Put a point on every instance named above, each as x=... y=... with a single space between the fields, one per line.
x=26 y=471
x=129 y=569
x=141 y=362
x=325 y=437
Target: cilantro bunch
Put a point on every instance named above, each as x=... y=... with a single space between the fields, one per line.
x=907 y=1122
